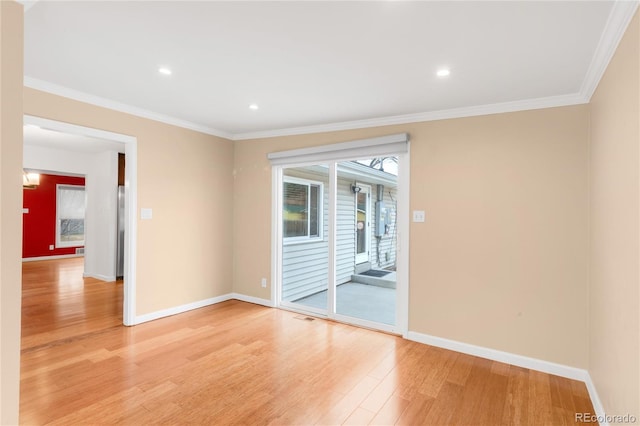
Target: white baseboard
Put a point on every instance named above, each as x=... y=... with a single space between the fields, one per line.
x=57 y=256
x=595 y=400
x=100 y=277
x=506 y=357
x=182 y=308
x=251 y=299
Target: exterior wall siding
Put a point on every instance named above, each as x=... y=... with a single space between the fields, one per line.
x=383 y=252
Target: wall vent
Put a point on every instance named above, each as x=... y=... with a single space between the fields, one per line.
x=80 y=250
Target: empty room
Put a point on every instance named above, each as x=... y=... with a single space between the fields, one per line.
x=323 y=213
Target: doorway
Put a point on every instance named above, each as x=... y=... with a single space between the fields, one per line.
x=336 y=248
x=109 y=139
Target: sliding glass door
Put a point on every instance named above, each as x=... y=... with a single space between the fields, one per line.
x=337 y=239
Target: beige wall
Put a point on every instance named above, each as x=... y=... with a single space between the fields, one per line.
x=184 y=252
x=614 y=344
x=501 y=261
x=11 y=21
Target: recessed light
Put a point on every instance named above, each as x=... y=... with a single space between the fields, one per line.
x=444 y=72
x=164 y=70
x=254 y=106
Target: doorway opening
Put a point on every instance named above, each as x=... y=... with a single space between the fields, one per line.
x=63 y=148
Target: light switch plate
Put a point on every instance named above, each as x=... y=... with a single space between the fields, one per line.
x=418 y=215
x=146 y=214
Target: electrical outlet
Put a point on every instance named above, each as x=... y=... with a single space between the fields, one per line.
x=51 y=247
x=263 y=283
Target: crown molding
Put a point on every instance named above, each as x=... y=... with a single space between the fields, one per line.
x=497 y=108
x=617 y=23
x=66 y=92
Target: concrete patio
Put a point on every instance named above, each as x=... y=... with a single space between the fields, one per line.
x=359 y=300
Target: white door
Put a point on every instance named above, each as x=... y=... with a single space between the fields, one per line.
x=363 y=222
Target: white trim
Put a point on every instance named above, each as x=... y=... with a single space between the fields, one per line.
x=59 y=242
x=131 y=202
x=181 y=309
x=100 y=277
x=320 y=219
x=201 y=304
x=372 y=147
x=500 y=356
x=497 y=108
x=250 y=299
x=66 y=92
x=402 y=242
x=75 y=129
x=130 y=232
x=595 y=400
x=332 y=294
x=57 y=256
x=368 y=226
x=276 y=233
x=621 y=14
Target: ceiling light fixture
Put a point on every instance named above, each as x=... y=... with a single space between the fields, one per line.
x=164 y=70
x=30 y=180
x=253 y=107
x=444 y=72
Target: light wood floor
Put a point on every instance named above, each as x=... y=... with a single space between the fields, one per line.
x=238 y=363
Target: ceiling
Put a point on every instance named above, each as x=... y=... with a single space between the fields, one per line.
x=37 y=136
x=313 y=66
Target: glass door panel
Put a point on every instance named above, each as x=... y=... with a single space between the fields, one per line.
x=366 y=240
x=305 y=237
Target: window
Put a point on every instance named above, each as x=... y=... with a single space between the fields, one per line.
x=301 y=210
x=70 y=206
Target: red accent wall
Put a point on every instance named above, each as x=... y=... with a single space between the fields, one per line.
x=39 y=225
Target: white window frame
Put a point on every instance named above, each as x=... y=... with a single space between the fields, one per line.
x=59 y=242
x=307 y=238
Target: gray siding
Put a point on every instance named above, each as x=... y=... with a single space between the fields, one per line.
x=383 y=250
x=305 y=265
x=345 y=232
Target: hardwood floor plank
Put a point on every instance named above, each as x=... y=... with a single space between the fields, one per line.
x=359 y=417
x=516 y=407
x=379 y=396
x=438 y=367
x=540 y=406
x=443 y=408
x=416 y=411
x=461 y=369
x=239 y=363
x=391 y=410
